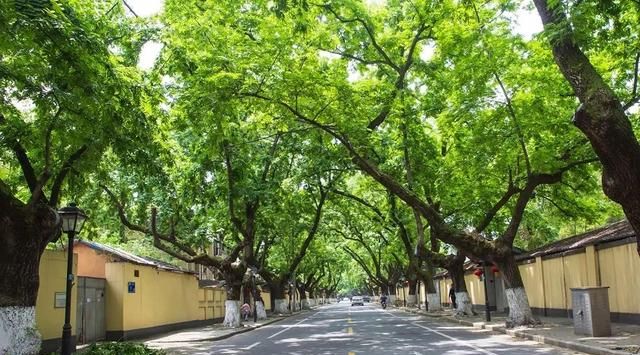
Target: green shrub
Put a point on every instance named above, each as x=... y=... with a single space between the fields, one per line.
x=118 y=348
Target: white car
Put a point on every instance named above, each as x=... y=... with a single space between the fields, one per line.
x=357 y=300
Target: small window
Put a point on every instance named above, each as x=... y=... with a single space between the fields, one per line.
x=136 y=273
x=60 y=300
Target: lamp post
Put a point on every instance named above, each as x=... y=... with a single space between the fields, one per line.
x=487 y=312
x=255 y=294
x=290 y=297
x=72 y=221
x=418 y=292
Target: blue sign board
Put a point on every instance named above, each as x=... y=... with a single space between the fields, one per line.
x=132 y=287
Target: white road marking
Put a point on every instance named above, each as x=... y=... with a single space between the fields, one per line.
x=251 y=346
x=463 y=342
x=455 y=339
x=285 y=329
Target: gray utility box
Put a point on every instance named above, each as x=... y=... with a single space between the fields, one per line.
x=591 y=314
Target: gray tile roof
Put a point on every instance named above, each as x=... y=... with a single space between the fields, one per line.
x=609 y=233
x=129 y=257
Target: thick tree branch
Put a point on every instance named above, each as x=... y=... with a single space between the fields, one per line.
x=310 y=234
x=56 y=188
x=360 y=262
x=491 y=213
x=361 y=201
x=230 y=184
x=122 y=214
x=533 y=181
x=467 y=241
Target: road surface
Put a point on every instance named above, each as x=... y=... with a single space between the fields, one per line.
x=349 y=330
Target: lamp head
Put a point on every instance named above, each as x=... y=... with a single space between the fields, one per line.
x=72 y=217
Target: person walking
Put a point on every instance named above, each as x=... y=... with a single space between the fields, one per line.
x=452 y=297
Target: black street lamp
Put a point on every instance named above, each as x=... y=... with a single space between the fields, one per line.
x=487 y=310
x=290 y=296
x=254 y=271
x=72 y=221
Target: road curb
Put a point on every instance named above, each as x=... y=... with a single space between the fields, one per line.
x=248 y=329
x=239 y=331
x=589 y=349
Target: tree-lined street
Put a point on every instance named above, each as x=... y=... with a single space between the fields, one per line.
x=316 y=149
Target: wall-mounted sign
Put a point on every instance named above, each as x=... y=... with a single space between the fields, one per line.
x=131 y=287
x=60 y=300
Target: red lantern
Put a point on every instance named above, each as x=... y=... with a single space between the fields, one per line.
x=495 y=269
x=478 y=272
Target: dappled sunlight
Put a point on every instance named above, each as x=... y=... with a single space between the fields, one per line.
x=366 y=333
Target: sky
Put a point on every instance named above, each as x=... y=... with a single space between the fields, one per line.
x=527 y=23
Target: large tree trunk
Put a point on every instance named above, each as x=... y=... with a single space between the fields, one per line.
x=601 y=117
x=464 y=305
x=233 y=286
x=412 y=298
x=433 y=302
x=280 y=304
x=304 y=301
x=232 y=314
x=262 y=313
x=433 y=299
x=24 y=234
x=519 y=311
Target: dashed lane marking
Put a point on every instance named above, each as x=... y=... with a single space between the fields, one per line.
x=287 y=328
x=251 y=346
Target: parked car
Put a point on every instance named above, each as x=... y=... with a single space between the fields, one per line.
x=366 y=298
x=357 y=300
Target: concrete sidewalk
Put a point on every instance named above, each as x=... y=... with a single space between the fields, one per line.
x=195 y=338
x=624 y=339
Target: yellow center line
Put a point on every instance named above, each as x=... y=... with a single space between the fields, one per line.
x=349 y=330
x=351 y=353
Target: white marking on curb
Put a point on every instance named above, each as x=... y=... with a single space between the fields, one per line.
x=287 y=328
x=251 y=346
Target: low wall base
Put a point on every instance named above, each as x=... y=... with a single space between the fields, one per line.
x=52 y=345
x=118 y=335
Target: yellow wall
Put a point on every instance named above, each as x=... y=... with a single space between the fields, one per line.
x=619 y=270
x=161 y=297
x=53 y=271
x=575 y=274
x=266 y=297
x=554 y=285
x=475 y=287
x=211 y=302
x=548 y=282
x=445 y=286
x=90 y=262
x=531 y=277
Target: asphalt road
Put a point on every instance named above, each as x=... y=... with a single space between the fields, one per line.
x=345 y=329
